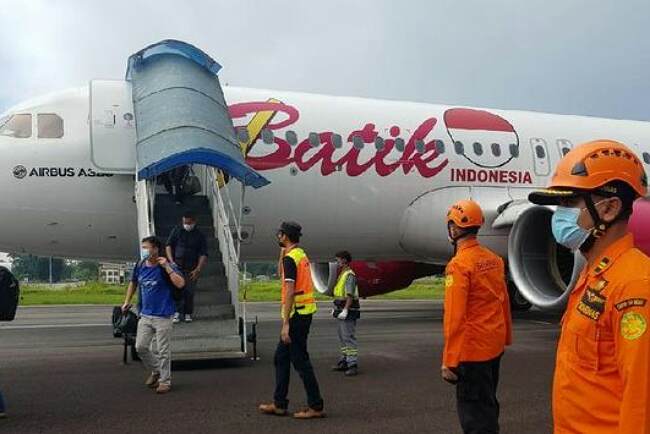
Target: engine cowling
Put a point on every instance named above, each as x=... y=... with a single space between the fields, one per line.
x=373 y=278
x=544 y=271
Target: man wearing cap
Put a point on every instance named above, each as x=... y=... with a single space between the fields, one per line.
x=477 y=323
x=602 y=371
x=298 y=308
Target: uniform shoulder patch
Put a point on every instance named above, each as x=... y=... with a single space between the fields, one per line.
x=633 y=325
x=631 y=302
x=449 y=280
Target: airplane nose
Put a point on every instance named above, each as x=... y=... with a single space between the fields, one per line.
x=640 y=225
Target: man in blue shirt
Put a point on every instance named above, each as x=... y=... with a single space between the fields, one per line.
x=155 y=278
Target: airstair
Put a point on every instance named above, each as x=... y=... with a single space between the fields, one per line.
x=182 y=119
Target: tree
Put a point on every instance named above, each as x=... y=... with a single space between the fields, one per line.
x=38 y=268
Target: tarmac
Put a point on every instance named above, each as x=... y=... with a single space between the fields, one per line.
x=61 y=371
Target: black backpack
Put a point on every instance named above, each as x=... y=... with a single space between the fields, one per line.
x=9 y=295
x=124 y=323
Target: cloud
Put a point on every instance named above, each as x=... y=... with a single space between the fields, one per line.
x=574 y=56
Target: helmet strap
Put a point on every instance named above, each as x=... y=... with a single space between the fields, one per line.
x=600 y=227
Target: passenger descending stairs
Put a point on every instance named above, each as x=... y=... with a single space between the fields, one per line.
x=214 y=333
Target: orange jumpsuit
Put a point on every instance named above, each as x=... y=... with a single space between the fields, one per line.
x=477 y=322
x=602 y=372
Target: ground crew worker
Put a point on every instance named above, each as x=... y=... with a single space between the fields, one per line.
x=602 y=371
x=347 y=311
x=298 y=307
x=477 y=322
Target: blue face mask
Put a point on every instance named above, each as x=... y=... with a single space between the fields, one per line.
x=566 y=229
x=144 y=254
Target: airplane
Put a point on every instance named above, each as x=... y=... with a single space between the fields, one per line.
x=374 y=177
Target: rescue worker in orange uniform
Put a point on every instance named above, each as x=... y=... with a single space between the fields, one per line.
x=298 y=308
x=602 y=371
x=477 y=321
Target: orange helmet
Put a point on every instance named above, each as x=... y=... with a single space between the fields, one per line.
x=590 y=167
x=466 y=214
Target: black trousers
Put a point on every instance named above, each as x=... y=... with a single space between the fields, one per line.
x=476 y=396
x=296 y=353
x=185 y=306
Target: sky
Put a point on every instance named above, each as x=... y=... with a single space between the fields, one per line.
x=573 y=56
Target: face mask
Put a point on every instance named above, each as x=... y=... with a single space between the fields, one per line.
x=566 y=229
x=144 y=254
x=188 y=227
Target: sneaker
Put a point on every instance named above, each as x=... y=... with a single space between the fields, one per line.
x=163 y=388
x=188 y=318
x=341 y=366
x=309 y=413
x=272 y=409
x=177 y=318
x=152 y=381
x=352 y=371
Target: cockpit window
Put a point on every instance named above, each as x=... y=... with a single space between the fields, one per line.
x=50 y=126
x=19 y=126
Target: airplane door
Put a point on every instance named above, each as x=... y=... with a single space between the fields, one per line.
x=541 y=160
x=112 y=126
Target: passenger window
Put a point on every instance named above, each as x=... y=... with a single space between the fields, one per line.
x=19 y=126
x=291 y=137
x=379 y=143
x=337 y=140
x=242 y=135
x=419 y=146
x=440 y=147
x=496 y=149
x=314 y=139
x=460 y=149
x=646 y=158
x=267 y=136
x=399 y=144
x=514 y=150
x=358 y=143
x=478 y=148
x=539 y=150
x=50 y=126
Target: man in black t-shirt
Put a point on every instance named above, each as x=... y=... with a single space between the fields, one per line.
x=187 y=247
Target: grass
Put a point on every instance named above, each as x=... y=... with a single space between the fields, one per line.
x=102 y=293
x=90 y=293
x=424 y=289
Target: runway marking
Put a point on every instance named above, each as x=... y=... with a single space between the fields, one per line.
x=50 y=326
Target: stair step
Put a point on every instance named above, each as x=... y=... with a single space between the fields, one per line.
x=209 y=298
x=214 y=311
x=205 y=336
x=212 y=282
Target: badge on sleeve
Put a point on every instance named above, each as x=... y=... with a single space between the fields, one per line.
x=449 y=280
x=633 y=325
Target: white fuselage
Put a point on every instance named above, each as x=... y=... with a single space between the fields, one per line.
x=353 y=196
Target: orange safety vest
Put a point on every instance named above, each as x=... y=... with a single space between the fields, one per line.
x=303 y=300
x=602 y=370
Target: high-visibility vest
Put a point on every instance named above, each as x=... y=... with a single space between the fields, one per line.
x=303 y=294
x=340 y=294
x=339 y=289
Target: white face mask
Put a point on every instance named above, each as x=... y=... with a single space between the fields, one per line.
x=188 y=227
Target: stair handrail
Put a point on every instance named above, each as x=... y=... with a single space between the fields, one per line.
x=144 y=200
x=223 y=222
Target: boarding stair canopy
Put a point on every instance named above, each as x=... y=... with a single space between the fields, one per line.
x=181 y=114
